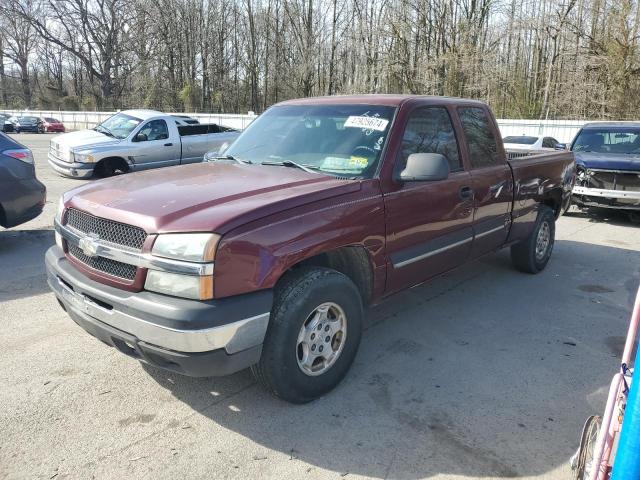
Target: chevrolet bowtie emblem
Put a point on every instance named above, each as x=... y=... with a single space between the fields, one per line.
x=89 y=245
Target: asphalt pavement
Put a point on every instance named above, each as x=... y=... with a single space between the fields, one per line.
x=482 y=373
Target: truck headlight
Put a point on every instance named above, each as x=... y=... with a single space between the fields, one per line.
x=188 y=247
x=186 y=286
x=191 y=247
x=82 y=157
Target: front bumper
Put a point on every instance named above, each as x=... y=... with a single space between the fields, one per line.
x=74 y=170
x=195 y=338
x=596 y=197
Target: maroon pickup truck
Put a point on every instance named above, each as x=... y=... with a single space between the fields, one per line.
x=266 y=255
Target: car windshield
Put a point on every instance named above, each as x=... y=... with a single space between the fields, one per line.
x=340 y=140
x=51 y=120
x=119 y=125
x=609 y=140
x=522 y=140
x=27 y=119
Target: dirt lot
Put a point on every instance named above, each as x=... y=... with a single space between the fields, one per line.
x=482 y=373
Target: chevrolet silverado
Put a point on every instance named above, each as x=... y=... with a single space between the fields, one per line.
x=267 y=256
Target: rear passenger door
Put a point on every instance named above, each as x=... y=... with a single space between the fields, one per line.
x=491 y=179
x=428 y=222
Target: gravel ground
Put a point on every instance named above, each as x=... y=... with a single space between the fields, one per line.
x=482 y=373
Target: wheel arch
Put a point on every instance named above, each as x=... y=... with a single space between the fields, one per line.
x=353 y=261
x=553 y=199
x=119 y=161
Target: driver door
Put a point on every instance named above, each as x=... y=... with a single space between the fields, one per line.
x=429 y=223
x=153 y=148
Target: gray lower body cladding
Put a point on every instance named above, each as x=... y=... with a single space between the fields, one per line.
x=194 y=338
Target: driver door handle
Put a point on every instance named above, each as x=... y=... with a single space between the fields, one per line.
x=168 y=144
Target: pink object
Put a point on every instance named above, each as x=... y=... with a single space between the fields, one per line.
x=610 y=422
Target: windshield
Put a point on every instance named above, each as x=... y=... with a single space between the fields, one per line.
x=340 y=140
x=609 y=140
x=51 y=120
x=522 y=140
x=120 y=125
x=27 y=119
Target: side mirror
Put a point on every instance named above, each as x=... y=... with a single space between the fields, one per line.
x=141 y=137
x=423 y=167
x=561 y=146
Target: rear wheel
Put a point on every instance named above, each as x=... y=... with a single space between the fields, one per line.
x=532 y=255
x=313 y=335
x=585 y=463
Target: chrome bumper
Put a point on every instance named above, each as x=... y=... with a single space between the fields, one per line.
x=597 y=192
x=75 y=170
x=114 y=308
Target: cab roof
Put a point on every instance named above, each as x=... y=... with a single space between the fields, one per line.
x=143 y=114
x=393 y=100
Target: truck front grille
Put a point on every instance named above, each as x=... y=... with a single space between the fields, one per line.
x=609 y=180
x=57 y=152
x=108 y=230
x=106 y=265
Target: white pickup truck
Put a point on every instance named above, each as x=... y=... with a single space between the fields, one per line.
x=135 y=140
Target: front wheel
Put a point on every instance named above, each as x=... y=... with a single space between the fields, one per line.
x=313 y=335
x=532 y=254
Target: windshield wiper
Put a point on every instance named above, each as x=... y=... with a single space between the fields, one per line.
x=291 y=163
x=230 y=157
x=106 y=131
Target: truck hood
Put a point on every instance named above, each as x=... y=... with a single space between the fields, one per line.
x=608 y=161
x=83 y=139
x=207 y=197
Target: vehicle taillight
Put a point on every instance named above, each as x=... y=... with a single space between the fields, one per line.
x=22 y=154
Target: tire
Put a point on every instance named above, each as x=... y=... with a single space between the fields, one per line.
x=532 y=254
x=109 y=167
x=586 y=451
x=284 y=367
x=104 y=169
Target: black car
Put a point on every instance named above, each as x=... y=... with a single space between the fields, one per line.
x=6 y=125
x=28 y=124
x=22 y=196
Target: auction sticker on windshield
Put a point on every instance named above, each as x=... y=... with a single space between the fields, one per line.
x=367 y=123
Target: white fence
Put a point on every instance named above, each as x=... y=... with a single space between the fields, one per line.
x=80 y=120
x=561 y=130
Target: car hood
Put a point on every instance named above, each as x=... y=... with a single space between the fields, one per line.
x=84 y=139
x=207 y=197
x=608 y=161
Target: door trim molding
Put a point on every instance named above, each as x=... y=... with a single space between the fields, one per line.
x=432 y=247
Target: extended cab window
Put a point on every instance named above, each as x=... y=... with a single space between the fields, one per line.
x=154 y=130
x=483 y=149
x=429 y=130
